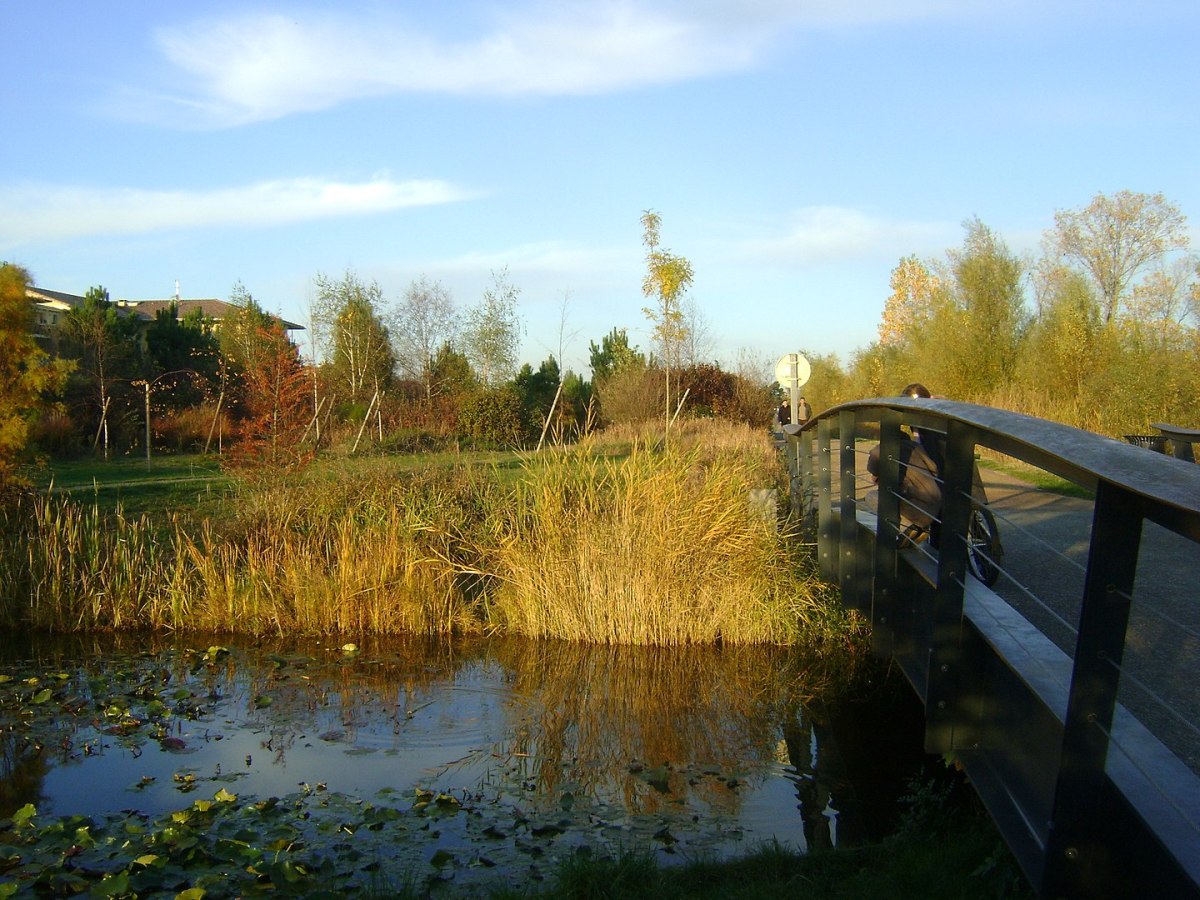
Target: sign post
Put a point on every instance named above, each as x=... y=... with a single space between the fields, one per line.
x=792 y=372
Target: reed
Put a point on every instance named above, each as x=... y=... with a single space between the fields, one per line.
x=69 y=567
x=381 y=556
x=662 y=547
x=633 y=541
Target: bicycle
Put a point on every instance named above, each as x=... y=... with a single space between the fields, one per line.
x=984 y=550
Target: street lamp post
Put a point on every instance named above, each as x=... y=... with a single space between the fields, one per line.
x=149 y=385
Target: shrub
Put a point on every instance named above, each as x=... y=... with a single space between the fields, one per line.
x=495 y=417
x=57 y=434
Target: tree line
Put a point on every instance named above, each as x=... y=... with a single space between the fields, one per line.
x=412 y=373
x=1100 y=329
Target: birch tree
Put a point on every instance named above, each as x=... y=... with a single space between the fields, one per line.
x=422 y=323
x=667 y=279
x=351 y=335
x=492 y=331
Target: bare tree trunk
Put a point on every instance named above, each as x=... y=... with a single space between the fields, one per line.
x=366 y=419
x=216 y=418
x=549 y=415
x=679 y=408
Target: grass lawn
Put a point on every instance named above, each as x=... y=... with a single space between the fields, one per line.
x=160 y=484
x=1039 y=478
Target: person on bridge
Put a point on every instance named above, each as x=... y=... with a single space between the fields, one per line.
x=803 y=411
x=784 y=413
x=932 y=442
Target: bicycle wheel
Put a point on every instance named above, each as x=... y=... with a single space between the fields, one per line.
x=983 y=545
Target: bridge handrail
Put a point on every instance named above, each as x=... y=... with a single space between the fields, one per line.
x=1082 y=457
x=954 y=638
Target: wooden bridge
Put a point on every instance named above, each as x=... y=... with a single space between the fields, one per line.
x=1070 y=690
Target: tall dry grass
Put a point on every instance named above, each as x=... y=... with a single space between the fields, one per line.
x=384 y=556
x=660 y=547
x=635 y=541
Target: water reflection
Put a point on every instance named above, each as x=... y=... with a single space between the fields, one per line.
x=695 y=749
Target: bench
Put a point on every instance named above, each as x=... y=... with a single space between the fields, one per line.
x=1181 y=439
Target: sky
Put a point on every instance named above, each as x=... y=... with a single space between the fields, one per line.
x=795 y=151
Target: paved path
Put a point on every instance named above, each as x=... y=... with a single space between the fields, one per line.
x=1045 y=538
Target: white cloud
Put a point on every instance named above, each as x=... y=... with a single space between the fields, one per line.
x=257 y=66
x=55 y=212
x=825 y=234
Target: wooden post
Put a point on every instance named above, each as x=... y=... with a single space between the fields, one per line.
x=366 y=419
x=549 y=415
x=216 y=419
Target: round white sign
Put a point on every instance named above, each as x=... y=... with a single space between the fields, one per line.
x=792 y=370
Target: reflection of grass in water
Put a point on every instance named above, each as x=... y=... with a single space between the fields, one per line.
x=638 y=720
x=653 y=703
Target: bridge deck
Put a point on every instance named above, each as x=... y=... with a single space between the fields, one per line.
x=1068 y=692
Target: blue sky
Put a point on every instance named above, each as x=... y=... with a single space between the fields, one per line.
x=795 y=150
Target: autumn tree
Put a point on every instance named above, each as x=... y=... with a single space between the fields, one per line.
x=352 y=337
x=27 y=374
x=243 y=330
x=242 y=339
x=914 y=289
x=1064 y=343
x=492 y=331
x=1115 y=238
x=424 y=320
x=667 y=279
x=983 y=326
x=274 y=389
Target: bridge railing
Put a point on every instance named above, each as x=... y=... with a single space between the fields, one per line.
x=1064 y=736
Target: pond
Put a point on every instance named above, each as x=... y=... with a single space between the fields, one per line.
x=449 y=759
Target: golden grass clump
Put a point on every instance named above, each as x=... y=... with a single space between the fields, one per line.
x=662 y=547
x=637 y=540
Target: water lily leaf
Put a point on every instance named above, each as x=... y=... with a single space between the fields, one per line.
x=41 y=696
x=111 y=885
x=262 y=701
x=192 y=893
x=148 y=859
x=442 y=858
x=349 y=648
x=224 y=796
x=24 y=814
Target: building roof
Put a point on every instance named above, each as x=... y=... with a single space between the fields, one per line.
x=147 y=309
x=41 y=295
x=210 y=308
